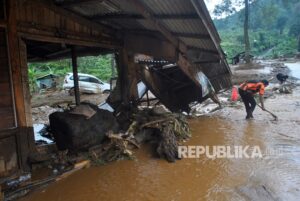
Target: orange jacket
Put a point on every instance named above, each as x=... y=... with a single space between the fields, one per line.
x=253 y=87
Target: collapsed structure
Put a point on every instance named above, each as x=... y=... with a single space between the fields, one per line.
x=176 y=32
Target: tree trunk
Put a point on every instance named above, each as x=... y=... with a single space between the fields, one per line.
x=246 y=35
x=299 y=43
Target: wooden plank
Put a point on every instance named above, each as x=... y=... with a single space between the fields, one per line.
x=24 y=144
x=197 y=49
x=138 y=16
x=75 y=2
x=8 y=156
x=14 y=56
x=53 y=39
x=5 y=101
x=122 y=74
x=25 y=83
x=132 y=77
x=75 y=75
x=72 y=16
x=40 y=31
x=3 y=52
x=191 y=35
x=188 y=69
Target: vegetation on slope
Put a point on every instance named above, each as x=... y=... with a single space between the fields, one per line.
x=274 y=29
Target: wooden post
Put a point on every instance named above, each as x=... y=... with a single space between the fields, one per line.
x=128 y=77
x=123 y=74
x=147 y=94
x=132 y=79
x=14 y=56
x=1 y=195
x=18 y=66
x=75 y=75
x=113 y=66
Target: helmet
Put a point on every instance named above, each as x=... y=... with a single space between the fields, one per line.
x=265 y=82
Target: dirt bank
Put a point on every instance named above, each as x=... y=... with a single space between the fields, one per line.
x=258 y=70
x=48 y=102
x=53 y=98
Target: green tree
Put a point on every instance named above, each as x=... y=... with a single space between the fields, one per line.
x=280 y=24
x=227 y=7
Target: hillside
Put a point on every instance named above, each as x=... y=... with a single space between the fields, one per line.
x=274 y=29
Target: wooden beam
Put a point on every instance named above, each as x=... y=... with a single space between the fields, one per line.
x=75 y=75
x=53 y=39
x=207 y=61
x=117 y=16
x=188 y=69
x=70 y=15
x=14 y=56
x=191 y=35
x=132 y=77
x=198 y=49
x=155 y=23
x=138 y=16
x=75 y=2
x=29 y=27
x=24 y=136
x=177 y=16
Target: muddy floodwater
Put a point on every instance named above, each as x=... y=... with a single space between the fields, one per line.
x=275 y=176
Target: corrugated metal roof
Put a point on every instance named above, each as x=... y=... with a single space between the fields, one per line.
x=169 y=6
x=177 y=16
x=185 y=26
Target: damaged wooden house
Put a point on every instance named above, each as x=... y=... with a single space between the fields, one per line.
x=176 y=38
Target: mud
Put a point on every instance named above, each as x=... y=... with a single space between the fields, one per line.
x=275 y=176
x=54 y=98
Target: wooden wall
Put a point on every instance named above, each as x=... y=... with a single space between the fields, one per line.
x=39 y=20
x=6 y=103
x=32 y=20
x=9 y=163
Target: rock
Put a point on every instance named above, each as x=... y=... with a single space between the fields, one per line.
x=74 y=132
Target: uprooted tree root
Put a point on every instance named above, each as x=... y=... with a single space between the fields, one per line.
x=170 y=128
x=115 y=148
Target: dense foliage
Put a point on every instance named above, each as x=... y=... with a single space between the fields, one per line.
x=274 y=29
x=99 y=66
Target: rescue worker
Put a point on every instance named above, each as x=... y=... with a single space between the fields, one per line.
x=247 y=90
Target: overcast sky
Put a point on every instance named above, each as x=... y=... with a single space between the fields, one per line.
x=210 y=4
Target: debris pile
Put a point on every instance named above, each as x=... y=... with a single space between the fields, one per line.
x=164 y=129
x=88 y=130
x=168 y=128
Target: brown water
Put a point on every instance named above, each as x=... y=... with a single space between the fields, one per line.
x=268 y=178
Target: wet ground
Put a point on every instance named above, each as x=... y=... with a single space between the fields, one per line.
x=275 y=176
